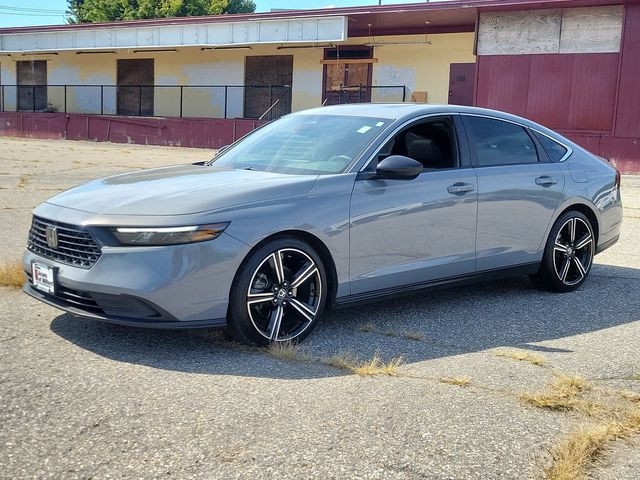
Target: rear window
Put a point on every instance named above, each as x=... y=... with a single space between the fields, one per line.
x=553 y=148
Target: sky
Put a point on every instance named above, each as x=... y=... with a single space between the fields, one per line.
x=17 y=13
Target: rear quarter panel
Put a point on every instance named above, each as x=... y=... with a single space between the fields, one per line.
x=590 y=181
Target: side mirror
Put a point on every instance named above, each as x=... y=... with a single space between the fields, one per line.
x=397 y=167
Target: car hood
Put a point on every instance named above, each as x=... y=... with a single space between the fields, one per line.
x=180 y=190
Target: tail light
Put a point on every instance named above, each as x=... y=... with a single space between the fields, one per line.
x=618 y=179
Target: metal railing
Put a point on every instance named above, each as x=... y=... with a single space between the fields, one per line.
x=266 y=102
x=366 y=93
x=209 y=101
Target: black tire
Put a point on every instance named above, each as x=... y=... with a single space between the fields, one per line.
x=568 y=256
x=258 y=308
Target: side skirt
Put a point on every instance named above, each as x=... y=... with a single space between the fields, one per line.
x=404 y=290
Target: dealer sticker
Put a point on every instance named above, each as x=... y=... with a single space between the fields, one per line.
x=43 y=277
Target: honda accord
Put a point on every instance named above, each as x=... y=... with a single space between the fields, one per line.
x=325 y=208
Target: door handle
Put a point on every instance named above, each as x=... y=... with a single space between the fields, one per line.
x=460 y=188
x=546 y=181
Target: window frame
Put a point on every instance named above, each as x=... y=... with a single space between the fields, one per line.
x=462 y=156
x=474 y=153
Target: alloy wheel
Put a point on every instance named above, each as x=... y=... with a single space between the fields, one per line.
x=284 y=295
x=573 y=251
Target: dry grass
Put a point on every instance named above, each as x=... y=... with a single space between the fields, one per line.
x=635 y=376
x=22 y=181
x=391 y=333
x=12 y=275
x=366 y=328
x=415 y=336
x=562 y=395
x=616 y=412
x=572 y=456
x=288 y=351
x=370 y=368
x=628 y=395
x=458 y=381
x=522 y=356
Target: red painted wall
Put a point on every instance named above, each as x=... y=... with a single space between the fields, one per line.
x=594 y=99
x=185 y=132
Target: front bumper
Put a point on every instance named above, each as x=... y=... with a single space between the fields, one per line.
x=149 y=322
x=181 y=286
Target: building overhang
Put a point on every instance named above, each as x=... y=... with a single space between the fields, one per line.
x=289 y=27
x=328 y=28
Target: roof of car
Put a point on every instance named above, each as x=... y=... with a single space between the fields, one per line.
x=402 y=110
x=406 y=111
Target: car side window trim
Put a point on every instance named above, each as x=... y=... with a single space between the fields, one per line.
x=526 y=127
x=457 y=137
x=474 y=154
x=567 y=147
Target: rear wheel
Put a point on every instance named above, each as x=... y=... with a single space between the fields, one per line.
x=568 y=255
x=278 y=294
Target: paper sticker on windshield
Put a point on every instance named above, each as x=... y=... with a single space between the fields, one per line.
x=364 y=129
x=379 y=124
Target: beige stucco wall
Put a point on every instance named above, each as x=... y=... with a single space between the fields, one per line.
x=401 y=60
x=409 y=61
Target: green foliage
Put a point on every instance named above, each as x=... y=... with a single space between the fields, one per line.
x=89 y=11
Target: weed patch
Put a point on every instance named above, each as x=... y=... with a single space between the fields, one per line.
x=12 y=275
x=522 y=356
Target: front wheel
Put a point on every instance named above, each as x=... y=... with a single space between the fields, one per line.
x=568 y=254
x=278 y=293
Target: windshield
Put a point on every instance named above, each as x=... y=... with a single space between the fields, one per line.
x=303 y=144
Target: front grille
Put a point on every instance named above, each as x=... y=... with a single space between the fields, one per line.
x=76 y=246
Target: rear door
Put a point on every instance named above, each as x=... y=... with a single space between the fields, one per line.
x=519 y=190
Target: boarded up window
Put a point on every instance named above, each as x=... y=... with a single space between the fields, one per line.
x=32 y=85
x=135 y=87
x=268 y=79
x=344 y=81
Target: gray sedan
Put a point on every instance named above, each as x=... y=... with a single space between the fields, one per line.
x=325 y=208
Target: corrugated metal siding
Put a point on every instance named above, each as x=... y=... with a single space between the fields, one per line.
x=566 y=91
x=555 y=89
x=628 y=115
x=503 y=81
x=593 y=91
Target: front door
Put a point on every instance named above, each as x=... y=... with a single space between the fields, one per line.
x=518 y=193
x=410 y=232
x=135 y=87
x=32 y=85
x=268 y=81
x=461 y=83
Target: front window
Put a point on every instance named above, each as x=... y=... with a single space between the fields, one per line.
x=304 y=144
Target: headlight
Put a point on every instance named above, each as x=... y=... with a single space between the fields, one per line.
x=156 y=236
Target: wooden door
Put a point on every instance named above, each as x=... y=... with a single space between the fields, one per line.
x=135 y=87
x=32 y=85
x=268 y=79
x=461 y=83
x=347 y=82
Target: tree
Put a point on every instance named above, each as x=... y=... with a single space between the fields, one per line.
x=89 y=11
